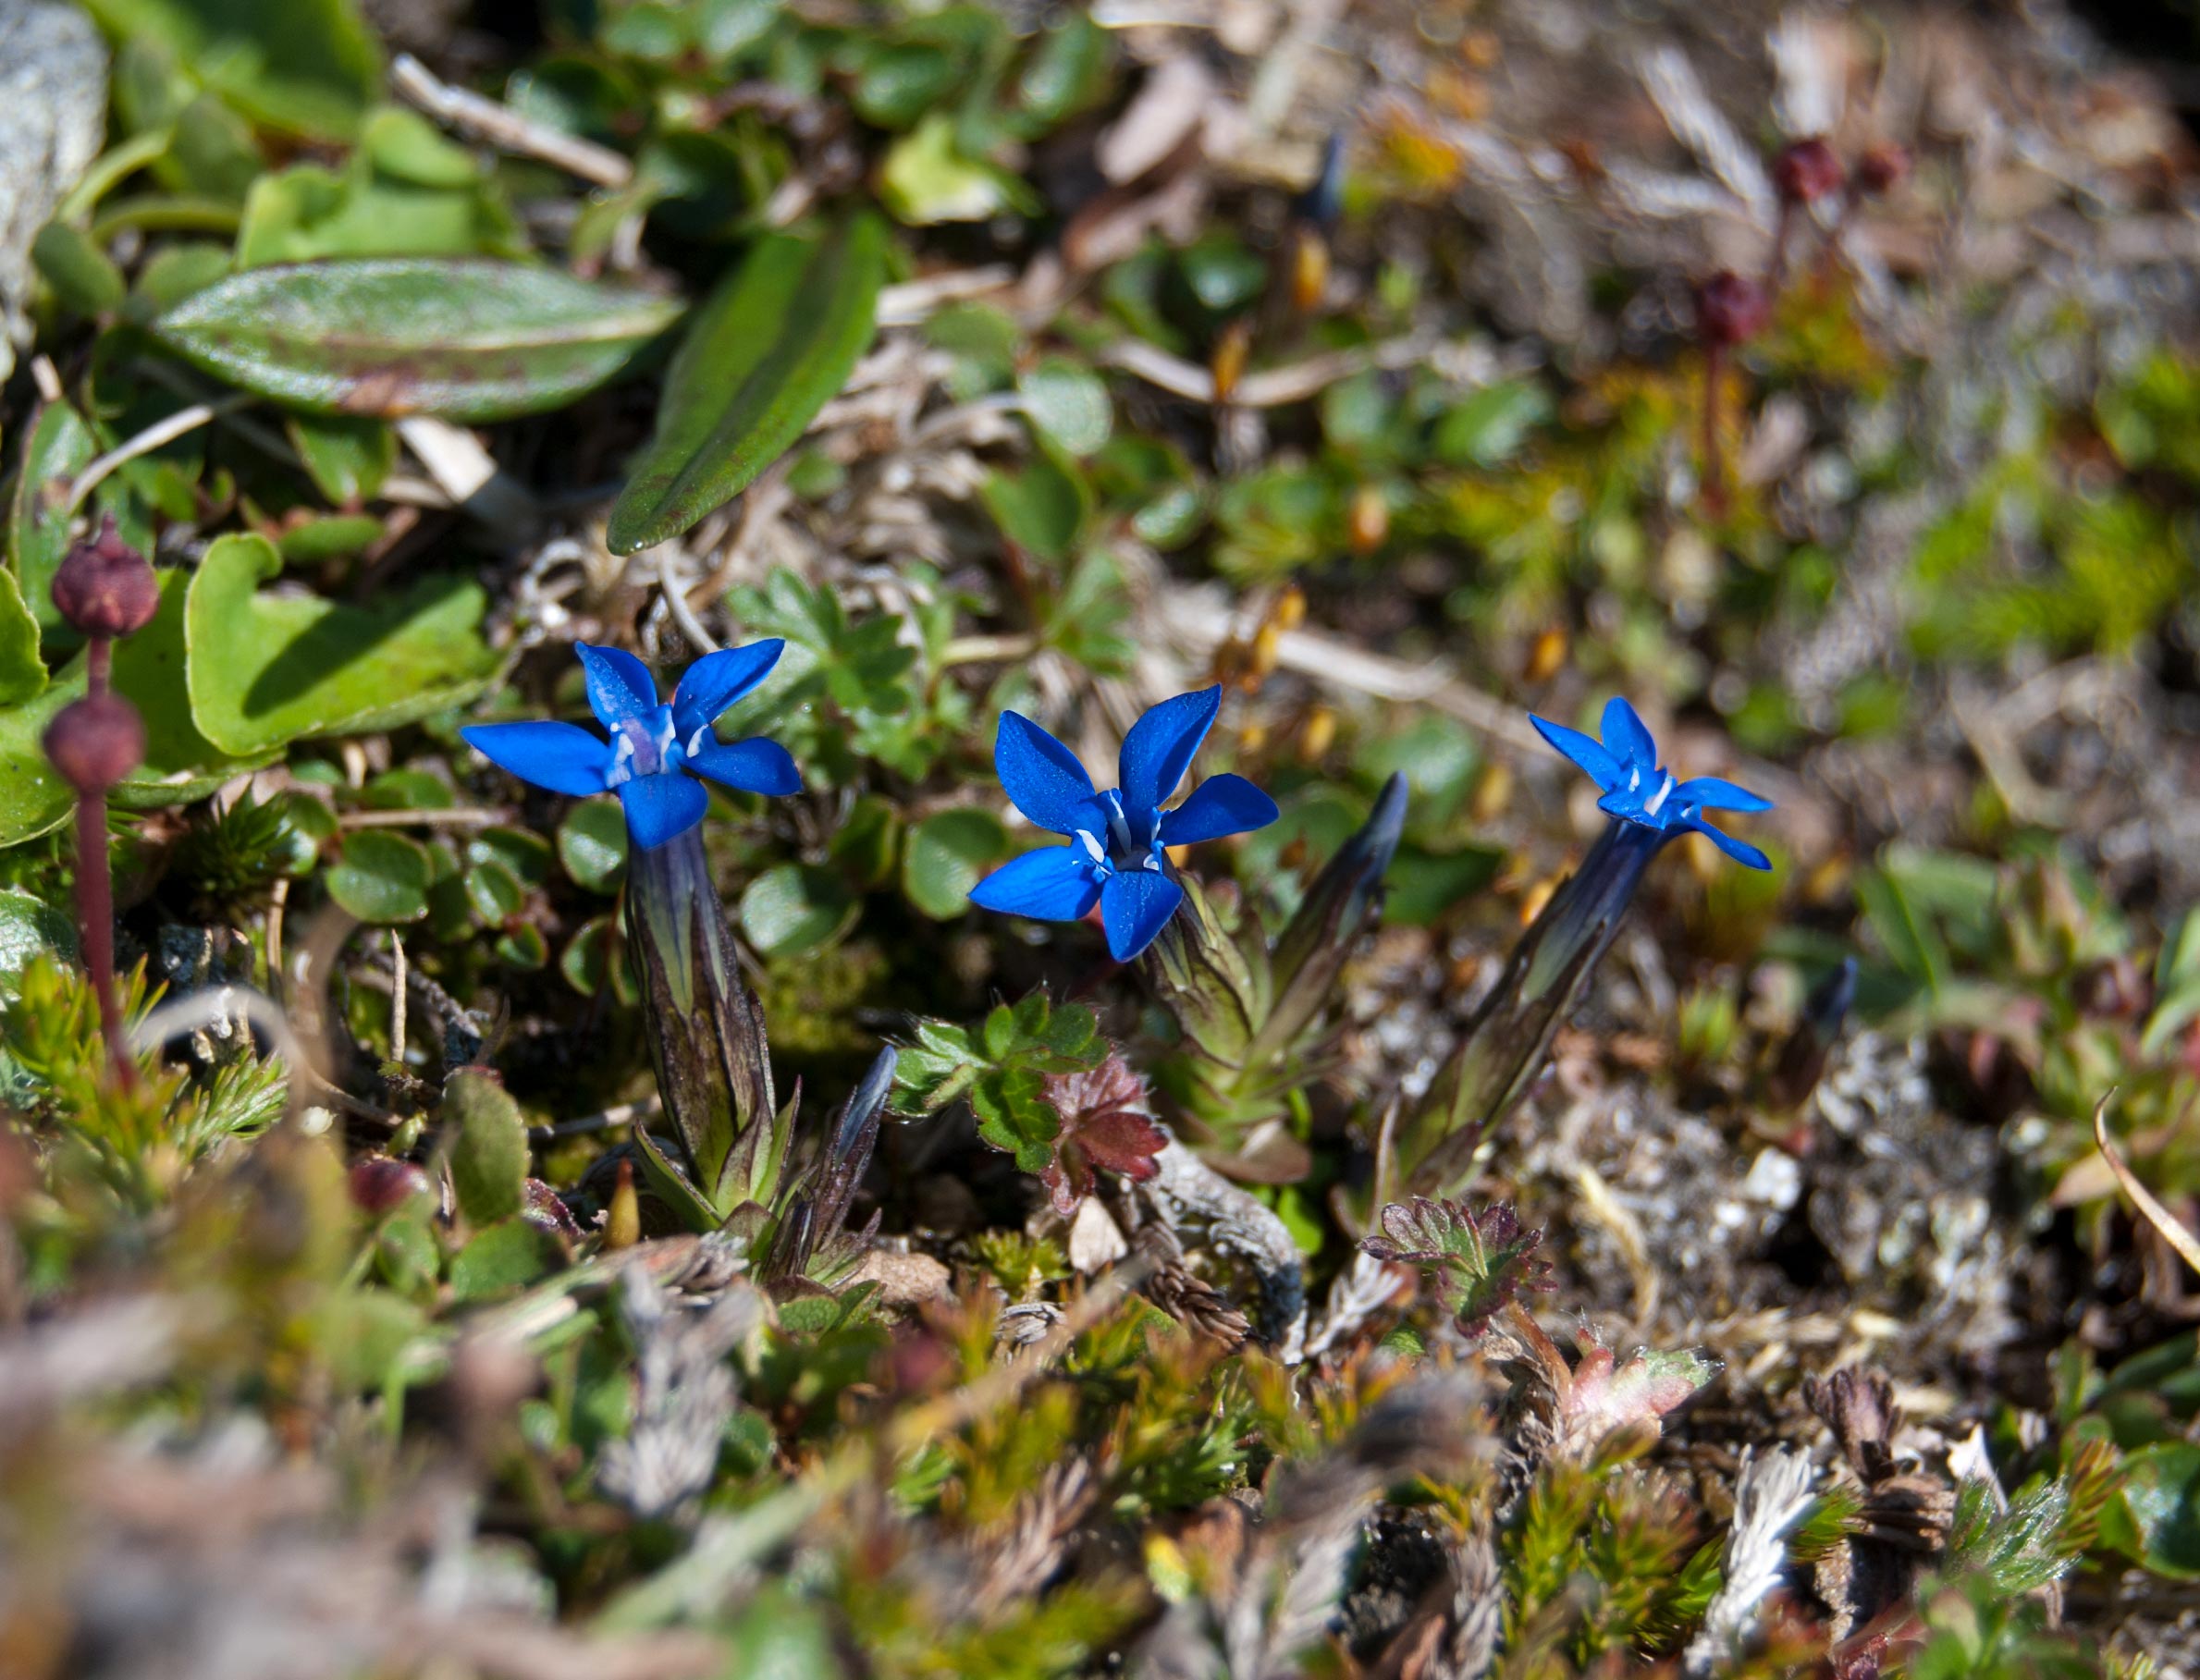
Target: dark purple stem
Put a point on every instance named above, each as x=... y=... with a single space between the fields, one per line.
x=95 y=887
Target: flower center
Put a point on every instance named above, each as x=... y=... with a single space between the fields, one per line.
x=643 y=746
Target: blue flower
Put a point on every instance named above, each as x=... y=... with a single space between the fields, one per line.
x=1115 y=856
x=655 y=750
x=1638 y=790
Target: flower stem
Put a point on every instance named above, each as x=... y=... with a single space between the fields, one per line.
x=95 y=887
x=1503 y=1048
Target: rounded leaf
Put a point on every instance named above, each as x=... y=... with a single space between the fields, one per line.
x=949 y=852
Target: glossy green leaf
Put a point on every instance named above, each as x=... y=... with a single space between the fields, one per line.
x=29 y=925
x=21 y=672
x=470 y=338
x=949 y=852
x=2157 y=1518
x=795 y=907
x=61 y=446
x=383 y=877
x=763 y=355
x=265 y=669
x=305 y=66
x=592 y=844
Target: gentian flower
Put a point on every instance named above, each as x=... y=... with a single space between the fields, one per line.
x=1501 y=1054
x=1115 y=856
x=1638 y=790
x=655 y=750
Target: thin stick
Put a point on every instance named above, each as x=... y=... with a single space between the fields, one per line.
x=675 y=598
x=620 y=1114
x=95 y=910
x=153 y=438
x=397 y=1000
x=455 y=816
x=2174 y=1233
x=505 y=128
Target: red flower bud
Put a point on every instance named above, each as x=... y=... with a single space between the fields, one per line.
x=381 y=1185
x=1731 y=309
x=104 y=587
x=96 y=741
x=1808 y=171
x=1883 y=168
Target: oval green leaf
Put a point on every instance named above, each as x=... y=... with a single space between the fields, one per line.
x=383 y=877
x=769 y=348
x=467 y=338
x=592 y=844
x=948 y=854
x=795 y=907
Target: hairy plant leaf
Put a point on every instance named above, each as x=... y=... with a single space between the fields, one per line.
x=470 y=338
x=770 y=348
x=264 y=669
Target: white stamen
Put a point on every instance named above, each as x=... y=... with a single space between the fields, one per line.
x=1651 y=806
x=1634 y=777
x=1093 y=846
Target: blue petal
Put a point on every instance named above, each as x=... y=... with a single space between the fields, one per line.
x=1053 y=884
x=1711 y=795
x=1627 y=737
x=662 y=807
x=1586 y=751
x=1741 y=852
x=563 y=757
x=1042 y=776
x=1134 y=905
x=754 y=766
x=619 y=686
x=716 y=681
x=1219 y=805
x=1159 y=747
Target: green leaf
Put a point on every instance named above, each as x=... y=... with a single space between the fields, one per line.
x=592 y=844
x=79 y=269
x=29 y=925
x=22 y=673
x=925 y=179
x=770 y=348
x=948 y=854
x=61 y=446
x=347 y=456
x=180 y=763
x=489 y=1147
x=1043 y=508
x=2156 y=1519
x=307 y=66
x=267 y=669
x=795 y=907
x=468 y=338
x=1488 y=429
x=506 y=1256
x=382 y=877
x=494 y=892
x=1069 y=403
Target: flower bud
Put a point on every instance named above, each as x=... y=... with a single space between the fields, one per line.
x=1731 y=309
x=1808 y=171
x=96 y=741
x=1883 y=168
x=380 y=1184
x=104 y=587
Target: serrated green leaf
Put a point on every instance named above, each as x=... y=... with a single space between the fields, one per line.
x=467 y=338
x=265 y=669
x=769 y=348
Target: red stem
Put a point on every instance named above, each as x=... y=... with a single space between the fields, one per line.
x=95 y=887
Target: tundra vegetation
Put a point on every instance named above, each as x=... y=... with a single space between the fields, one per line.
x=1225 y=839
